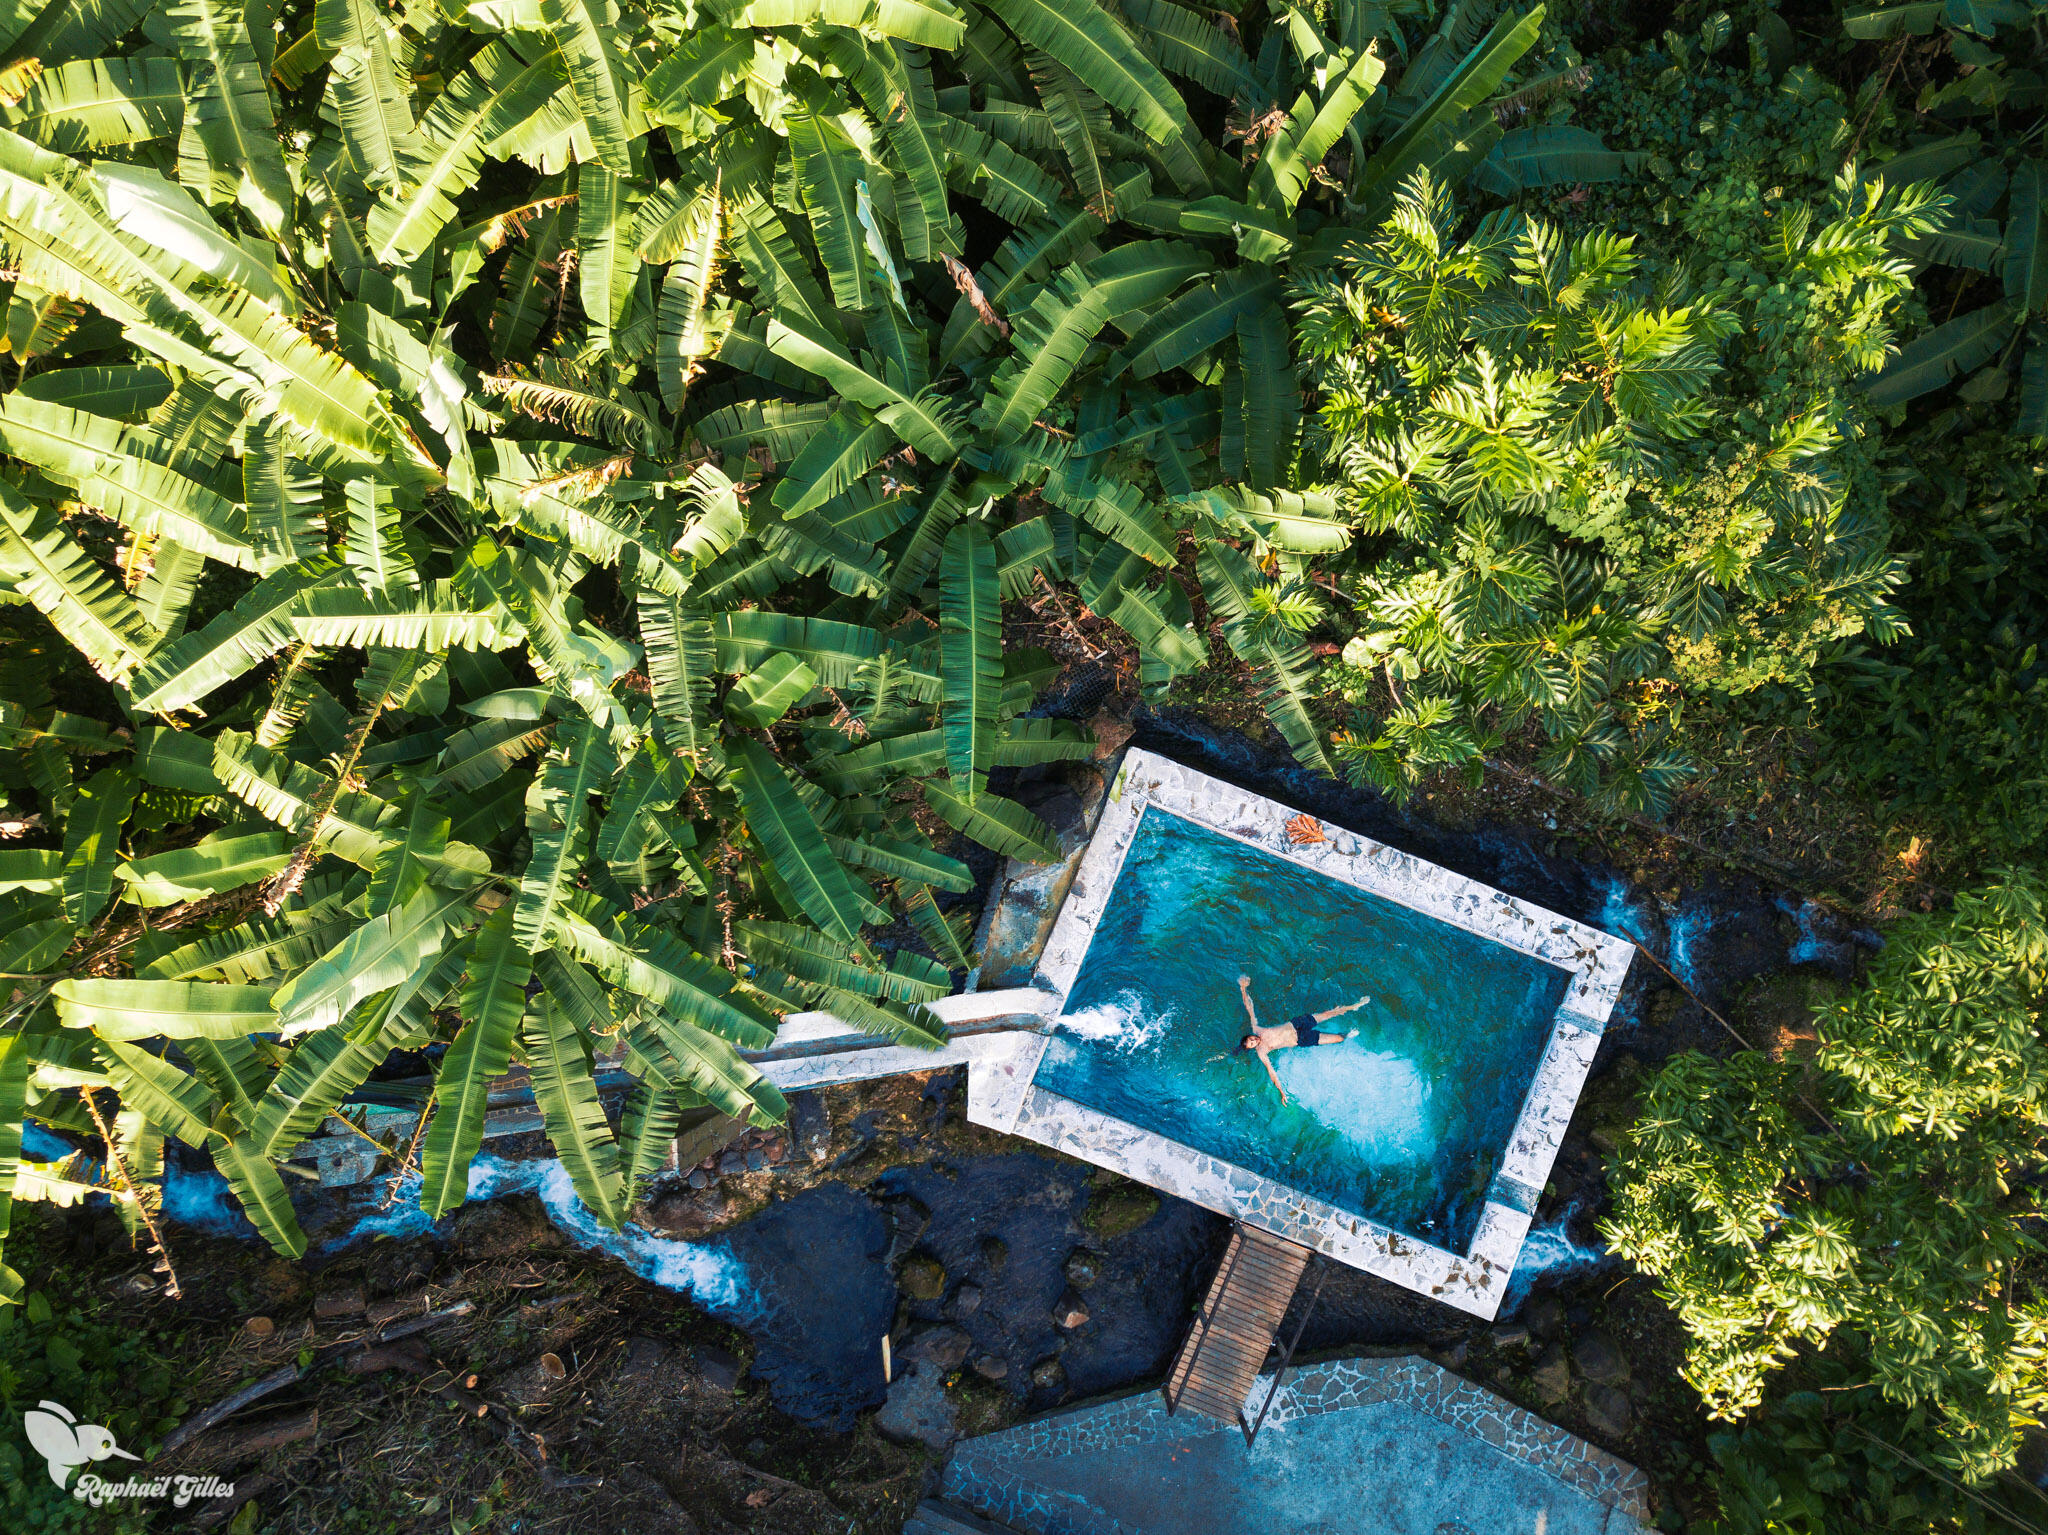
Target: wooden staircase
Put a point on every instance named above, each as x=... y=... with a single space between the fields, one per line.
x=1234 y=1331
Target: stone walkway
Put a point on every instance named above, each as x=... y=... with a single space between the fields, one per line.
x=1359 y=1446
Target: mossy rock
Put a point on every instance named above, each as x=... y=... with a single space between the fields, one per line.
x=1119 y=1206
x=922 y=1277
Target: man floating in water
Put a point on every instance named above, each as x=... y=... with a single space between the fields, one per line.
x=1295 y=1031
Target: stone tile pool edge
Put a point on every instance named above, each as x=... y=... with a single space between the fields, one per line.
x=1595 y=962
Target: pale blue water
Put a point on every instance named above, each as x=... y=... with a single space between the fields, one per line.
x=1405 y=1124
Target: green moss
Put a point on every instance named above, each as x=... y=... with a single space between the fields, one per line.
x=1116 y=1206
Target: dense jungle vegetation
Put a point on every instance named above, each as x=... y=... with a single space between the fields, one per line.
x=508 y=515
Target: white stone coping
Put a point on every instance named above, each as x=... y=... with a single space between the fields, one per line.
x=1595 y=963
x=823 y=1033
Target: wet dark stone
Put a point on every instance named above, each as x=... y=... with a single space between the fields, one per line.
x=1083 y=1269
x=641 y=1358
x=718 y=1368
x=918 y=1410
x=1013 y=1220
x=1608 y=1412
x=1544 y=1315
x=826 y=1298
x=1599 y=1358
x=992 y=1367
x=1552 y=1375
x=686 y=1215
x=809 y=1124
x=966 y=1300
x=946 y=1347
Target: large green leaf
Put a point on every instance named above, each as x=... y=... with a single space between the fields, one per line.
x=392 y=948
x=1311 y=131
x=1001 y=825
x=363 y=80
x=92 y=842
x=100 y=103
x=557 y=822
x=970 y=648
x=795 y=844
x=1088 y=40
x=1465 y=87
x=1938 y=356
x=126 y=1010
x=597 y=80
x=656 y=966
x=237 y=639
x=486 y=101
x=2026 y=240
x=493 y=1001
x=18 y=1051
x=558 y=1064
x=174 y=1100
x=230 y=147
x=256 y=1184
x=322 y=1070
x=211 y=865
x=43 y=563
x=710 y=1066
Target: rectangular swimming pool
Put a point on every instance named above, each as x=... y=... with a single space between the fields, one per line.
x=1405 y=1125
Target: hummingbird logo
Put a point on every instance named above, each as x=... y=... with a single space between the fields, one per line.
x=65 y=1442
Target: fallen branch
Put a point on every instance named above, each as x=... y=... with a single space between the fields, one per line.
x=413 y=1324
x=194 y=1426
x=198 y=1424
x=259 y=1438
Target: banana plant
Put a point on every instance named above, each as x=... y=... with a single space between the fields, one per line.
x=506 y=515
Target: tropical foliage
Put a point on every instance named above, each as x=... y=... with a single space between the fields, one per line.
x=1882 y=1192
x=1578 y=509
x=1948 y=725
x=507 y=513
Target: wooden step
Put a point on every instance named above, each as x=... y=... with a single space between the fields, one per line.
x=1233 y=1332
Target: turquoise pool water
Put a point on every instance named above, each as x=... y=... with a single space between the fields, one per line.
x=1404 y=1124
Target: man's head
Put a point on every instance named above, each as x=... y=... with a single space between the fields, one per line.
x=1249 y=1042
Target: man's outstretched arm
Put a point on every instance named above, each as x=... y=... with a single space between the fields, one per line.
x=1244 y=993
x=1266 y=1061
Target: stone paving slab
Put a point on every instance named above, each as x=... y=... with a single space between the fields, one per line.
x=1362 y=1446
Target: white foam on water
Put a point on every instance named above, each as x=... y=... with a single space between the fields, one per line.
x=709 y=1275
x=1125 y=1024
x=1548 y=1251
x=1376 y=1100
